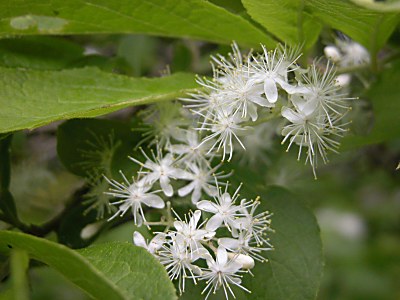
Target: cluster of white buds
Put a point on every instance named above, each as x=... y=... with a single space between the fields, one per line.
x=181 y=249
x=347 y=53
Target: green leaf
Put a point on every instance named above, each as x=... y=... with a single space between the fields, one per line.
x=297 y=21
x=19 y=266
x=369 y=28
x=295 y=265
x=32 y=98
x=287 y=19
x=39 y=52
x=384 y=96
x=142 y=278
x=174 y=18
x=108 y=271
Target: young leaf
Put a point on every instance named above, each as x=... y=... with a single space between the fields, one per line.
x=174 y=18
x=108 y=271
x=32 y=98
x=288 y=20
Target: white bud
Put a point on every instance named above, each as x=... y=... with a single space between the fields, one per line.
x=343 y=80
x=332 y=53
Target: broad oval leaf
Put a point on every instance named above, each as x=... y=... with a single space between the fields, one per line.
x=32 y=98
x=175 y=18
x=111 y=271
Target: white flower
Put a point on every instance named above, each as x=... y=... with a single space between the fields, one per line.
x=192 y=235
x=222 y=273
x=257 y=224
x=225 y=128
x=133 y=195
x=153 y=246
x=243 y=245
x=310 y=130
x=224 y=210
x=243 y=94
x=323 y=93
x=161 y=169
x=192 y=150
x=271 y=69
x=201 y=177
x=178 y=261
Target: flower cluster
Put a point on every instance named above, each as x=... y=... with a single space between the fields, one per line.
x=180 y=250
x=238 y=107
x=252 y=89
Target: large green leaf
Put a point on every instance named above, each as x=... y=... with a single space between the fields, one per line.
x=32 y=98
x=297 y=21
x=107 y=271
x=287 y=19
x=384 y=96
x=176 y=18
x=372 y=29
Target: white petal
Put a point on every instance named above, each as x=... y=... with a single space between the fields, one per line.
x=260 y=101
x=186 y=189
x=222 y=256
x=179 y=174
x=139 y=240
x=196 y=195
x=179 y=225
x=157 y=242
x=153 y=201
x=270 y=89
x=207 y=206
x=229 y=243
x=215 y=222
x=252 y=110
x=166 y=186
x=195 y=219
x=226 y=199
x=291 y=115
